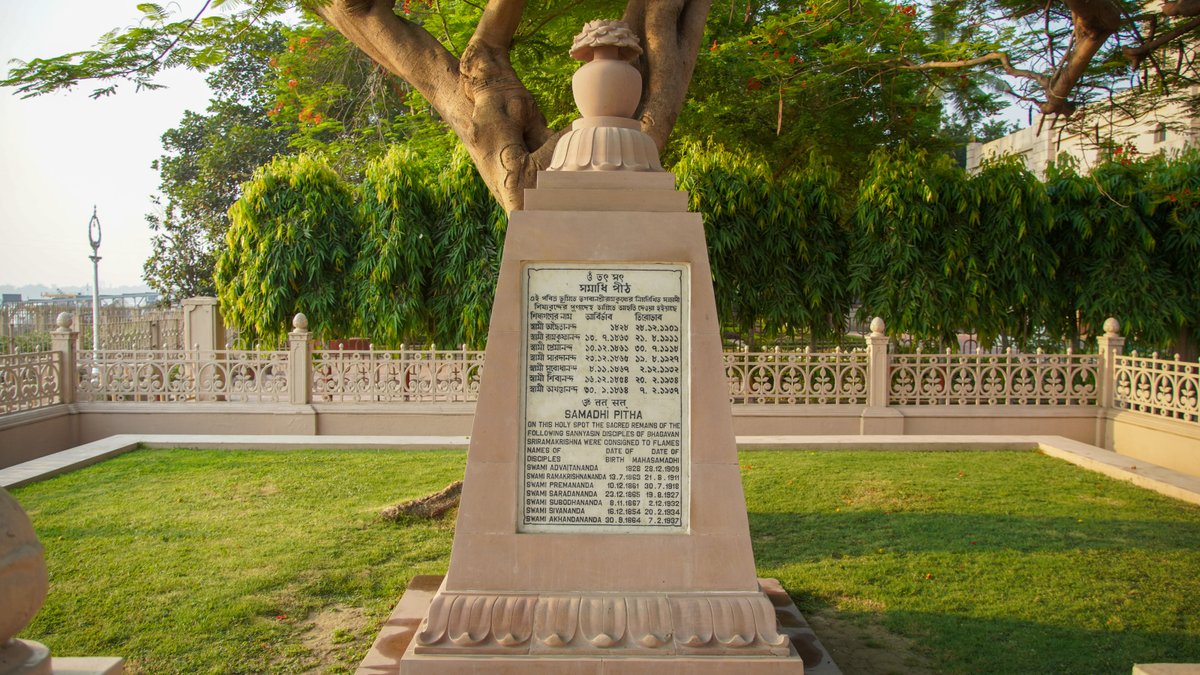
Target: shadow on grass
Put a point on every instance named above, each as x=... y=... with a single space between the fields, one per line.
x=782 y=538
x=966 y=644
x=990 y=593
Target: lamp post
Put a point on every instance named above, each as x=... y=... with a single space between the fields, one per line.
x=94 y=240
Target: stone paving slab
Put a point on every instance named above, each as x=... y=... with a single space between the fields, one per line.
x=67 y=460
x=97 y=451
x=87 y=665
x=1166 y=669
x=1121 y=467
x=1143 y=474
x=888 y=442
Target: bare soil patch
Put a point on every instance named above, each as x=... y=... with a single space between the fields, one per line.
x=866 y=648
x=333 y=635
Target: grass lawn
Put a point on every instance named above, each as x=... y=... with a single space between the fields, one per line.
x=189 y=561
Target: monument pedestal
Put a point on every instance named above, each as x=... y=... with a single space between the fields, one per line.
x=602 y=526
x=395 y=639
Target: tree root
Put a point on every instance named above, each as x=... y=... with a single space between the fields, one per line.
x=430 y=506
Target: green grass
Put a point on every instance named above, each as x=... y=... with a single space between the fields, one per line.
x=988 y=562
x=189 y=561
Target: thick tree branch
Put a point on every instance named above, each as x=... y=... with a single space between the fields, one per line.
x=404 y=48
x=480 y=96
x=1093 y=21
x=1137 y=54
x=1181 y=8
x=506 y=126
x=671 y=31
x=498 y=24
x=999 y=57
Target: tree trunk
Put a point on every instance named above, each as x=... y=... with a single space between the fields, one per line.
x=483 y=101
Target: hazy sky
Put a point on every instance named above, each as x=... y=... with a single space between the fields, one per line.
x=63 y=153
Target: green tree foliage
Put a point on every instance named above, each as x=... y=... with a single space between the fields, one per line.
x=328 y=98
x=289 y=249
x=393 y=262
x=467 y=250
x=1116 y=244
x=776 y=245
x=430 y=250
x=783 y=80
x=1026 y=261
x=1176 y=184
x=880 y=70
x=162 y=40
x=1012 y=253
x=910 y=254
x=208 y=156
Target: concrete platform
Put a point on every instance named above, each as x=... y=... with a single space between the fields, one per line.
x=395 y=641
x=98 y=451
x=87 y=665
x=1166 y=669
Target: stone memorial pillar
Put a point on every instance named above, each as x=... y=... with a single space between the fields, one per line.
x=602 y=526
x=203 y=337
x=203 y=328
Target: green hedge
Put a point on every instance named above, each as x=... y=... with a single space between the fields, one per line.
x=411 y=254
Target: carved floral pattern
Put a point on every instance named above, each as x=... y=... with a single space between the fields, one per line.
x=179 y=375
x=797 y=377
x=29 y=381
x=605 y=33
x=403 y=375
x=1158 y=387
x=605 y=149
x=696 y=624
x=985 y=379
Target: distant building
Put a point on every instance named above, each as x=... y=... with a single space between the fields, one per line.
x=1167 y=129
x=10 y=298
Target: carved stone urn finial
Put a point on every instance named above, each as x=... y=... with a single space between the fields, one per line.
x=606 y=85
x=607 y=90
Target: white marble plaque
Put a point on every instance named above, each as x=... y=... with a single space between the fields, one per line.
x=605 y=411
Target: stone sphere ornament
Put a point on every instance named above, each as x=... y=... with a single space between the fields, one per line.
x=23 y=585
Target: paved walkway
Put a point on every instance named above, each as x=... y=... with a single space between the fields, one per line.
x=1150 y=476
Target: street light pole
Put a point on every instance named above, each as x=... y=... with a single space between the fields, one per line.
x=94 y=240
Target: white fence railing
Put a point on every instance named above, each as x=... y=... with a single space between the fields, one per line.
x=1167 y=388
x=986 y=379
x=403 y=375
x=29 y=381
x=179 y=375
x=797 y=377
x=872 y=378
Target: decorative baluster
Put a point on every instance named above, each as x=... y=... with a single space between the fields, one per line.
x=300 y=376
x=1110 y=344
x=63 y=341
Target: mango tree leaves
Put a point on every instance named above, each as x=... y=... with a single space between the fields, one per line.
x=290 y=244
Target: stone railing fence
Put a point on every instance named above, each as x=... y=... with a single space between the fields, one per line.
x=403 y=375
x=1157 y=386
x=792 y=378
x=29 y=381
x=872 y=378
